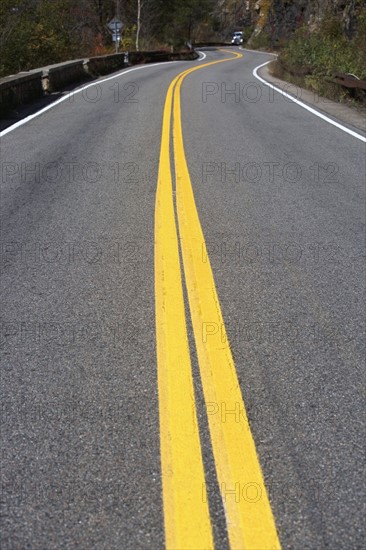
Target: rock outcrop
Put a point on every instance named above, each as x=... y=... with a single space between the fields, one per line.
x=280 y=18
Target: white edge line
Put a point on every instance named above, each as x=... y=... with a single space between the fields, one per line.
x=203 y=56
x=310 y=109
x=77 y=91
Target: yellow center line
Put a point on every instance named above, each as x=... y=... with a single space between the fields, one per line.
x=180 y=446
x=249 y=516
x=187 y=522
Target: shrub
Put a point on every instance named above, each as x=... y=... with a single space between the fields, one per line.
x=260 y=42
x=327 y=50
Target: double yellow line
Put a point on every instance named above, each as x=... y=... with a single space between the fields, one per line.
x=249 y=518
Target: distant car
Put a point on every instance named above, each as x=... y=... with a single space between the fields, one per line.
x=237 y=38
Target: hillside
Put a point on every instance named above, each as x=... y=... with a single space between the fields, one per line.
x=279 y=19
x=315 y=38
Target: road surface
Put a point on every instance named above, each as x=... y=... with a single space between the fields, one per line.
x=105 y=309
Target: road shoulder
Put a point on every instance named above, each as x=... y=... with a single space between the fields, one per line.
x=347 y=115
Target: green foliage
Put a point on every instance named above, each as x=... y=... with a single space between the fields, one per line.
x=332 y=28
x=247 y=33
x=260 y=42
x=128 y=42
x=35 y=33
x=327 y=51
x=181 y=19
x=312 y=59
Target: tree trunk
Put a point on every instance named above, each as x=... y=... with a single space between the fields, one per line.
x=138 y=24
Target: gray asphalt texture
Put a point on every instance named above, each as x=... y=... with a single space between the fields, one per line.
x=286 y=239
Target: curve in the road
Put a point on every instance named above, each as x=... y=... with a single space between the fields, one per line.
x=307 y=107
x=250 y=522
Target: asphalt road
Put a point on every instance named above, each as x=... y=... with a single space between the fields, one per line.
x=281 y=198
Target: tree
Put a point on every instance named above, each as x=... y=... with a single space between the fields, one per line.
x=139 y=6
x=35 y=33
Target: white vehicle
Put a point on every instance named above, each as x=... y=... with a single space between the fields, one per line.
x=237 y=38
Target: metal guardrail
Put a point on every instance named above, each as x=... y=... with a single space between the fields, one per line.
x=349 y=81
